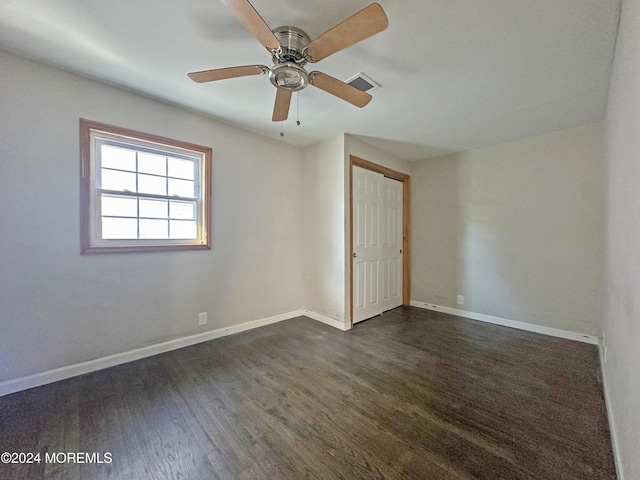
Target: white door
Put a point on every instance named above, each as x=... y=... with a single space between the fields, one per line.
x=391 y=229
x=367 y=247
x=377 y=243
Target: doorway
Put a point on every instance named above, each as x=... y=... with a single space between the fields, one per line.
x=379 y=253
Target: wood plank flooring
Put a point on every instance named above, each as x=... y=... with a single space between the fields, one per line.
x=410 y=394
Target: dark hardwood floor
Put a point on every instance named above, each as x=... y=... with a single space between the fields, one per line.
x=410 y=394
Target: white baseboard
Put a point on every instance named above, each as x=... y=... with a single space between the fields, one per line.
x=50 y=376
x=529 y=327
x=612 y=425
x=328 y=320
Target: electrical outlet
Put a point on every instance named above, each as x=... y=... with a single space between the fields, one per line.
x=202 y=318
x=460 y=300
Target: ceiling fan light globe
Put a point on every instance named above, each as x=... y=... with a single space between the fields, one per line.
x=288 y=76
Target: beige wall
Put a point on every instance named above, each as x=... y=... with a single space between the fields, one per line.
x=621 y=296
x=323 y=204
x=355 y=146
x=515 y=228
x=58 y=307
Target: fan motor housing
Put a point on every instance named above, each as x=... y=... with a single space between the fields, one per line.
x=288 y=72
x=293 y=42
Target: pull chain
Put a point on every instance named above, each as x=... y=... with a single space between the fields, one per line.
x=281 y=129
x=298 y=108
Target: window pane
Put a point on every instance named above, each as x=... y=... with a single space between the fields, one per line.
x=181 y=188
x=119 y=228
x=149 y=163
x=118 y=158
x=153 y=208
x=182 y=210
x=182 y=168
x=151 y=184
x=184 y=229
x=154 y=228
x=115 y=206
x=114 y=180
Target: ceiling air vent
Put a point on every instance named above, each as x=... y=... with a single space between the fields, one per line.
x=362 y=82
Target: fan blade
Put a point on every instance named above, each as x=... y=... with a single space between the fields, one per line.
x=252 y=21
x=367 y=22
x=339 y=89
x=281 y=107
x=231 y=72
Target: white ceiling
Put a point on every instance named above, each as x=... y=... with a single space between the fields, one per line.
x=455 y=74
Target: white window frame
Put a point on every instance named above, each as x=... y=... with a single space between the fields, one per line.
x=94 y=134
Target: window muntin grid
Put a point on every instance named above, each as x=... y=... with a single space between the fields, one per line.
x=145 y=193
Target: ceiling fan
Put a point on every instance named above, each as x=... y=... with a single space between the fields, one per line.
x=291 y=49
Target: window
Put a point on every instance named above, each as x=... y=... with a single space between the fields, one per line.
x=142 y=192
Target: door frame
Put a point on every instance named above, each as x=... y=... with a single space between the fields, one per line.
x=406 y=225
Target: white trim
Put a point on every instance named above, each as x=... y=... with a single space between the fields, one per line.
x=50 y=376
x=612 y=428
x=328 y=320
x=529 y=327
